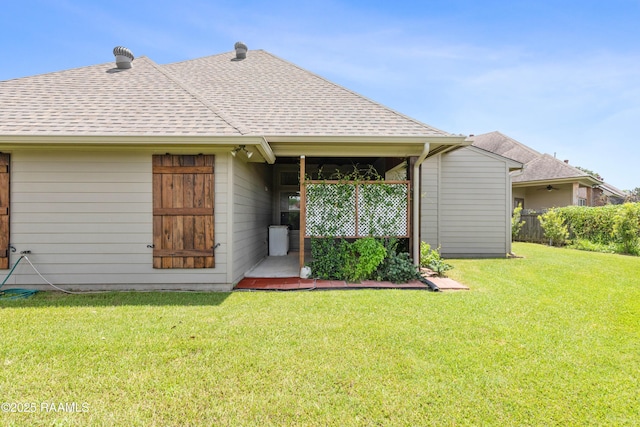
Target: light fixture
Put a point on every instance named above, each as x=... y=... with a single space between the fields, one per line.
x=239 y=148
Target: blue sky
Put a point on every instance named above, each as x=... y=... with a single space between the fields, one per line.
x=560 y=76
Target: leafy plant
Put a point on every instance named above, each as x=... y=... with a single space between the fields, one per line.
x=589 y=223
x=364 y=256
x=626 y=228
x=554 y=227
x=397 y=268
x=329 y=255
x=516 y=223
x=588 y=245
x=431 y=259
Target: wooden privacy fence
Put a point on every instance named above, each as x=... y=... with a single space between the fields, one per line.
x=531 y=231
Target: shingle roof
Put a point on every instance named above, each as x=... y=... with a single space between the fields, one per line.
x=503 y=145
x=537 y=166
x=102 y=100
x=266 y=95
x=614 y=191
x=546 y=167
x=216 y=95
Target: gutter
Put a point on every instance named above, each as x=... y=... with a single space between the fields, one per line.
x=265 y=151
x=416 y=202
x=416 y=187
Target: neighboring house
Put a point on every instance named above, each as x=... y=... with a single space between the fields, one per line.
x=611 y=195
x=148 y=176
x=545 y=181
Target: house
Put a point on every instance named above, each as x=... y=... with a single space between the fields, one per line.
x=611 y=195
x=546 y=181
x=136 y=175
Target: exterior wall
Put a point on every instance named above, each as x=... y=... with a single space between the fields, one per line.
x=466 y=204
x=537 y=198
x=429 y=199
x=252 y=195
x=86 y=216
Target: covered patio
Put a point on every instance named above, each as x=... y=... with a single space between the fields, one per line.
x=281 y=273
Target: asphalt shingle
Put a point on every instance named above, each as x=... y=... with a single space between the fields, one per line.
x=537 y=166
x=261 y=95
x=266 y=95
x=102 y=100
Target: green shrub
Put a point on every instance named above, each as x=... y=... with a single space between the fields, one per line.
x=588 y=245
x=363 y=257
x=554 y=227
x=626 y=228
x=366 y=258
x=397 y=268
x=516 y=224
x=431 y=259
x=329 y=255
x=589 y=223
x=605 y=228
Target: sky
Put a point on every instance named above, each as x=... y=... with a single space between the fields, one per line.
x=561 y=76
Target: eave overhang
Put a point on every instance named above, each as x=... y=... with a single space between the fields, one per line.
x=203 y=142
x=269 y=147
x=585 y=181
x=347 y=146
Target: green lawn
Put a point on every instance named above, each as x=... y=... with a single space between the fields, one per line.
x=552 y=338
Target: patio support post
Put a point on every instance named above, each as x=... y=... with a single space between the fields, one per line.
x=303 y=209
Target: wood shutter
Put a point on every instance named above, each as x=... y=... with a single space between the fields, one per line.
x=4 y=211
x=183 y=227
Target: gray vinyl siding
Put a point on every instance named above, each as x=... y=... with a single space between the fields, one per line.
x=86 y=216
x=252 y=195
x=429 y=201
x=472 y=206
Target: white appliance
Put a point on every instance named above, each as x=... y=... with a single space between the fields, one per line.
x=278 y=240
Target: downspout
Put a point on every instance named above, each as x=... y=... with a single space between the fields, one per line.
x=415 y=176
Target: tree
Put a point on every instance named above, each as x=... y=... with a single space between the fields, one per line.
x=590 y=172
x=554 y=227
x=634 y=195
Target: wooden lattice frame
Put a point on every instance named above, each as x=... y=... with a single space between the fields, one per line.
x=349 y=212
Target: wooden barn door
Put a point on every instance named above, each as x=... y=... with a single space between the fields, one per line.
x=183 y=226
x=4 y=211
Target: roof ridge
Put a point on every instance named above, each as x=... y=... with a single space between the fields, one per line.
x=526 y=147
x=81 y=67
x=195 y=95
x=575 y=169
x=354 y=93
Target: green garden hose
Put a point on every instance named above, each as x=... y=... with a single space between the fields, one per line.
x=15 y=293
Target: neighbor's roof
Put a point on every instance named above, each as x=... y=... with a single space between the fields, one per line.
x=612 y=191
x=546 y=168
x=213 y=96
x=505 y=146
x=537 y=167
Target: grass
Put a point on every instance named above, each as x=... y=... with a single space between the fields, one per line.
x=552 y=338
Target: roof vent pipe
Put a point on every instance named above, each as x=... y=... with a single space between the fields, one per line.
x=124 y=57
x=241 y=50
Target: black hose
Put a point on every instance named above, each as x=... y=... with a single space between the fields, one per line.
x=432 y=286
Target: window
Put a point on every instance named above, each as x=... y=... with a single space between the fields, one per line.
x=582 y=201
x=290 y=209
